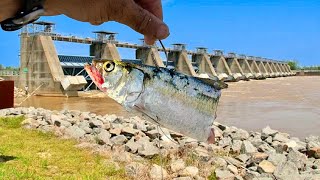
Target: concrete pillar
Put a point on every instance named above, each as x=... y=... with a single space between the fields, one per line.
x=278 y=69
x=255 y=68
x=202 y=59
x=283 y=70
x=181 y=61
x=105 y=51
x=149 y=56
x=275 y=70
x=269 y=69
x=221 y=66
x=39 y=65
x=248 y=73
x=262 y=67
x=234 y=66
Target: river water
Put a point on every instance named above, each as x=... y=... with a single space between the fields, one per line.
x=290 y=104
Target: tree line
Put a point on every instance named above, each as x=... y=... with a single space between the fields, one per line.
x=294 y=65
x=2 y=67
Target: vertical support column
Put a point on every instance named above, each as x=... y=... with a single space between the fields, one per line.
x=202 y=59
x=255 y=68
x=262 y=67
x=105 y=46
x=149 y=56
x=275 y=70
x=40 y=66
x=248 y=73
x=181 y=61
x=234 y=65
x=221 y=66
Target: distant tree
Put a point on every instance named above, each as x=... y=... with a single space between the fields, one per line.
x=1 y=66
x=293 y=65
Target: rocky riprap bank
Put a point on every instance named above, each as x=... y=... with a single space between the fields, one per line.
x=237 y=154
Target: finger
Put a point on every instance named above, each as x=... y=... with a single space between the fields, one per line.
x=153 y=6
x=141 y=20
x=149 y=40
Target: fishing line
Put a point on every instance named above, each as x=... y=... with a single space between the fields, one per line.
x=165 y=52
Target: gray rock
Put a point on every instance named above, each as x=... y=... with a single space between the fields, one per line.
x=103 y=137
x=224 y=174
x=148 y=150
x=119 y=140
x=267 y=131
x=115 y=131
x=313 y=141
x=140 y=125
x=266 y=167
x=238 y=177
x=60 y=123
x=129 y=131
x=177 y=165
x=251 y=175
x=287 y=170
x=247 y=147
x=258 y=157
x=253 y=168
x=276 y=158
x=219 y=162
x=218 y=132
x=266 y=148
x=314 y=152
x=236 y=146
x=190 y=171
x=281 y=138
x=233 y=169
x=132 y=146
x=297 y=158
x=96 y=123
x=153 y=134
x=240 y=134
x=85 y=126
x=226 y=141
x=75 y=132
x=269 y=140
x=243 y=158
x=233 y=161
x=158 y=173
x=30 y=123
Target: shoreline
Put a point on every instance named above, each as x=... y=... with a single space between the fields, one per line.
x=237 y=154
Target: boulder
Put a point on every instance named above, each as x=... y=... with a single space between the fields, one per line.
x=119 y=140
x=129 y=131
x=281 y=137
x=266 y=167
x=267 y=131
x=287 y=170
x=183 y=178
x=243 y=158
x=225 y=141
x=85 y=126
x=314 y=152
x=247 y=147
x=266 y=148
x=132 y=146
x=236 y=146
x=148 y=150
x=115 y=131
x=233 y=169
x=75 y=132
x=93 y=123
x=158 y=173
x=224 y=174
x=103 y=137
x=297 y=158
x=177 y=165
x=240 y=134
x=258 y=157
x=190 y=171
x=276 y=158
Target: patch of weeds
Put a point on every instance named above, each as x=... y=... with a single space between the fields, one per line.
x=212 y=176
x=160 y=160
x=192 y=159
x=11 y=122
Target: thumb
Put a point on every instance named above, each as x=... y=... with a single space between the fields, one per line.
x=142 y=21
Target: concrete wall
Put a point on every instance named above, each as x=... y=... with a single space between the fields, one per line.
x=181 y=62
x=204 y=64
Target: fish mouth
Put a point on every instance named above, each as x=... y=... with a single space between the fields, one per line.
x=96 y=76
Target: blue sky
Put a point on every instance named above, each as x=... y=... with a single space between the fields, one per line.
x=273 y=29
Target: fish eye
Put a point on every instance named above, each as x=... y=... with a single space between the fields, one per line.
x=109 y=66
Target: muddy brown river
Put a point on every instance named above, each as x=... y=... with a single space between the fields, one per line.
x=290 y=104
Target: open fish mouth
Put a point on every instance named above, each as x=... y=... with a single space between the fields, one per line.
x=95 y=74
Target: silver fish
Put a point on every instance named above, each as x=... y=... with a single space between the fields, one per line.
x=176 y=101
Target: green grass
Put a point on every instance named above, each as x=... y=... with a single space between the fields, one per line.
x=27 y=154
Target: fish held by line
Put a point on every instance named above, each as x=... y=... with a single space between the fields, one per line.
x=176 y=101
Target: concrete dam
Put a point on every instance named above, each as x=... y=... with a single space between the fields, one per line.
x=47 y=73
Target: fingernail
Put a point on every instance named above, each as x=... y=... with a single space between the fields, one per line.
x=163 y=32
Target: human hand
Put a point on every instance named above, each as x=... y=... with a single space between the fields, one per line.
x=144 y=16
